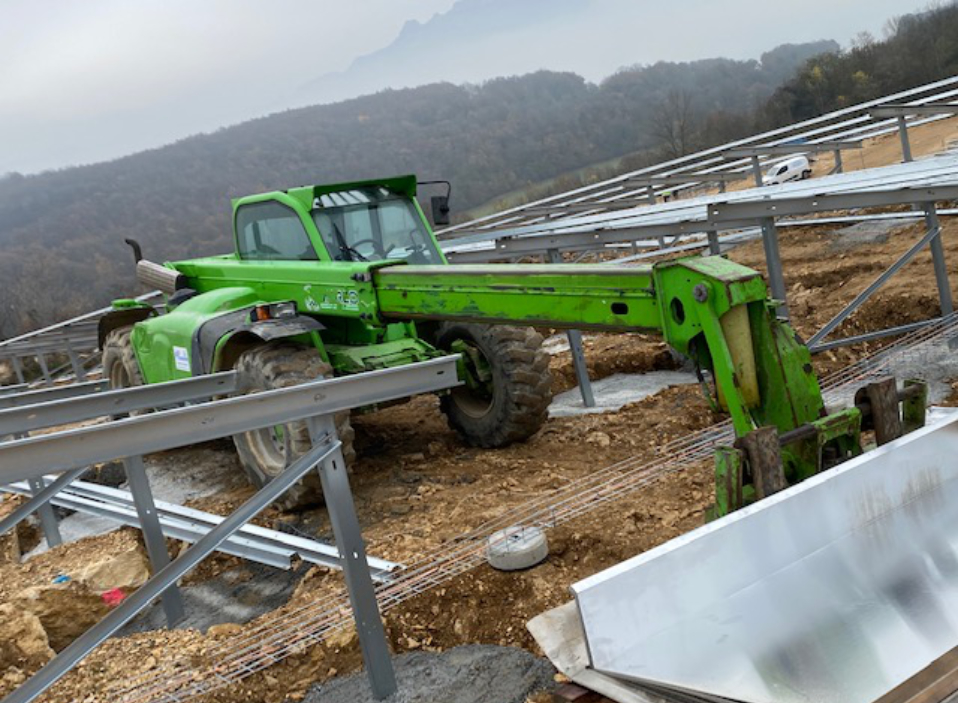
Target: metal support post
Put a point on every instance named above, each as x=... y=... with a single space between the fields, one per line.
x=905 y=144
x=578 y=352
x=839 y=166
x=152 y=533
x=48 y=519
x=938 y=259
x=581 y=368
x=41 y=359
x=773 y=260
x=349 y=540
x=714 y=248
x=54 y=670
x=18 y=369
x=78 y=371
x=650 y=194
x=757 y=171
x=39 y=499
x=722 y=187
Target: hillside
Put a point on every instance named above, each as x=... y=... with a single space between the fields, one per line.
x=61 y=232
x=918 y=49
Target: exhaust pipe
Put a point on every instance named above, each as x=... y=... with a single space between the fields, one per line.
x=154 y=276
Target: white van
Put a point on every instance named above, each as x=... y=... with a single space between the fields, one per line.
x=796 y=168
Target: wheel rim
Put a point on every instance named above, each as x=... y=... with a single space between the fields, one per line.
x=270 y=446
x=477 y=395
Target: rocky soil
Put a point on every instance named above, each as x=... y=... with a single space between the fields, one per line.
x=418 y=488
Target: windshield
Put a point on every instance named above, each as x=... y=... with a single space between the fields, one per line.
x=373 y=224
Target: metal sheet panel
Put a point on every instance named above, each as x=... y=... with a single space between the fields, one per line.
x=839 y=589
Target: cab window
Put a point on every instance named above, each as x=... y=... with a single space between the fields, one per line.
x=271 y=231
x=373 y=224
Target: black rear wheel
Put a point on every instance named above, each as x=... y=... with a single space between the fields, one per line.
x=266 y=452
x=508 y=385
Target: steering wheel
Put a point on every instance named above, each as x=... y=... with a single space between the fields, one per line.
x=376 y=246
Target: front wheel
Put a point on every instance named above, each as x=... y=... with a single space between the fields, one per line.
x=266 y=452
x=120 y=367
x=507 y=388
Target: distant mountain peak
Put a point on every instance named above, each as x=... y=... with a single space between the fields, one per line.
x=450 y=46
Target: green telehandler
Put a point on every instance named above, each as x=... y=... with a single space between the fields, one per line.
x=338 y=279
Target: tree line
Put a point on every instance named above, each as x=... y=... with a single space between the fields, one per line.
x=61 y=232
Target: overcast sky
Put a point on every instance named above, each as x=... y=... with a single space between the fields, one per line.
x=88 y=80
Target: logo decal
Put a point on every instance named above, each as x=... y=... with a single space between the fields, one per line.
x=181 y=359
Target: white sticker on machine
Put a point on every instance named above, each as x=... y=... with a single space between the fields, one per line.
x=181 y=359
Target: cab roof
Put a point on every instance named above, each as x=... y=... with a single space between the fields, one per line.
x=404 y=185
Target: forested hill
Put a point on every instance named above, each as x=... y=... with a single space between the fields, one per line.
x=61 y=232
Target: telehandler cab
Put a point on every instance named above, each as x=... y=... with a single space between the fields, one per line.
x=330 y=280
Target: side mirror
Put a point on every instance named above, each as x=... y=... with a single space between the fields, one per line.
x=440 y=203
x=440 y=209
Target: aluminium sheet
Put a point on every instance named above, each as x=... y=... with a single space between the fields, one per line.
x=840 y=589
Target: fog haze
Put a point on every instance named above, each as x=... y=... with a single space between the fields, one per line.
x=86 y=82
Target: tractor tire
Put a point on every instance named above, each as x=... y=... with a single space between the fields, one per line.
x=266 y=452
x=512 y=403
x=120 y=366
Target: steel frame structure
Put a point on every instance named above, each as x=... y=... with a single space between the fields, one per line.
x=74 y=338
x=901 y=112
x=851 y=123
x=917 y=184
x=765 y=212
x=755 y=152
x=128 y=438
x=598 y=231
x=251 y=542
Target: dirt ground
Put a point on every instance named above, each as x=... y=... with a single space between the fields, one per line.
x=418 y=487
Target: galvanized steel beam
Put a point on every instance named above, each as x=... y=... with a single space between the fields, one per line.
x=38 y=499
x=73 y=653
x=900 y=110
x=349 y=539
x=48 y=395
x=179 y=522
x=577 y=352
x=727 y=215
x=152 y=534
x=782 y=149
x=574 y=241
x=873 y=287
x=179 y=427
x=115 y=402
x=685 y=178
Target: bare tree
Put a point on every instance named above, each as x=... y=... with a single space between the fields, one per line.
x=673 y=123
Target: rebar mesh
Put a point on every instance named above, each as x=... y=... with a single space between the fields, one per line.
x=293 y=631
